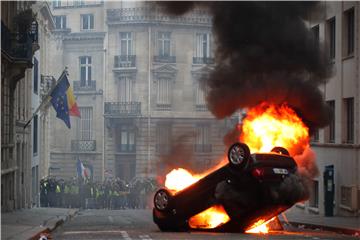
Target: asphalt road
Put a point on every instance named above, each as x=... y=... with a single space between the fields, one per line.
x=137 y=224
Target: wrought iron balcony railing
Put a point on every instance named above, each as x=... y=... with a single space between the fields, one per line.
x=203 y=60
x=203 y=148
x=124 y=61
x=165 y=59
x=83 y=145
x=85 y=86
x=18 y=45
x=126 y=109
x=126 y=148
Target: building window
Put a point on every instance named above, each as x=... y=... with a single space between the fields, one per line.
x=331 y=128
x=314 y=194
x=164 y=93
x=346 y=196
x=36 y=75
x=202 y=138
x=163 y=138
x=349 y=108
x=125 y=87
x=350 y=31
x=125 y=43
x=87 y=21
x=164 y=44
x=84 y=126
x=202 y=49
x=79 y=2
x=315 y=31
x=57 y=3
x=201 y=91
x=126 y=138
x=331 y=36
x=60 y=22
x=85 y=71
x=35 y=135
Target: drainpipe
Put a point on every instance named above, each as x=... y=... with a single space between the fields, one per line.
x=357 y=102
x=103 y=104
x=149 y=106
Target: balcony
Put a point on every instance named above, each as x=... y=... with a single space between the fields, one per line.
x=203 y=60
x=83 y=145
x=201 y=108
x=165 y=59
x=126 y=148
x=203 y=148
x=124 y=61
x=20 y=45
x=123 y=109
x=90 y=86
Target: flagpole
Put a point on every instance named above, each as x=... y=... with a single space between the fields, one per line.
x=46 y=98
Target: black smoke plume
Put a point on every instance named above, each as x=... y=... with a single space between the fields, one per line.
x=265 y=52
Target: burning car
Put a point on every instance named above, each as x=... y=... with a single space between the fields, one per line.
x=246 y=190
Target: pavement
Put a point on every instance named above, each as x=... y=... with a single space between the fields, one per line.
x=298 y=217
x=30 y=223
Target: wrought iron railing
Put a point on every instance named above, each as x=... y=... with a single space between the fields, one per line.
x=126 y=148
x=165 y=59
x=124 y=61
x=17 y=45
x=83 y=145
x=203 y=148
x=123 y=108
x=203 y=60
x=84 y=86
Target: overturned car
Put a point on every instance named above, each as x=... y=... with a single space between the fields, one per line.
x=249 y=187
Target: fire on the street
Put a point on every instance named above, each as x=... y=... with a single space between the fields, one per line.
x=210 y=218
x=260 y=226
x=264 y=127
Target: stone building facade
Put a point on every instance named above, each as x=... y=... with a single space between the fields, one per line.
x=18 y=44
x=144 y=95
x=338 y=145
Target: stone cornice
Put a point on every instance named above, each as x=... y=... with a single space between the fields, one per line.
x=147 y=15
x=78 y=36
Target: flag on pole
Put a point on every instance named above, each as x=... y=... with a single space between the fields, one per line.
x=82 y=171
x=63 y=100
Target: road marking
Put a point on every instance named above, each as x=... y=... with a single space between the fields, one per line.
x=125 y=235
x=92 y=232
x=111 y=219
x=145 y=237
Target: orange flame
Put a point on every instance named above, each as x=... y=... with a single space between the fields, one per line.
x=179 y=178
x=210 y=218
x=260 y=226
x=267 y=125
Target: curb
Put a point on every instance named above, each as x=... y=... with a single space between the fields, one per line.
x=58 y=223
x=342 y=230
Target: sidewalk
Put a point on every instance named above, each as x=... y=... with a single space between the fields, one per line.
x=27 y=223
x=298 y=217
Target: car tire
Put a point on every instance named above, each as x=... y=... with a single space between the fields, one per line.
x=239 y=155
x=280 y=150
x=162 y=200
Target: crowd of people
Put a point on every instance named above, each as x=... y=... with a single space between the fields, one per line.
x=110 y=194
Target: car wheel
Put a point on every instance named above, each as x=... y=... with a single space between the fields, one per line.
x=162 y=200
x=238 y=155
x=280 y=150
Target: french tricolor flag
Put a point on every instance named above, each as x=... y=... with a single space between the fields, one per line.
x=82 y=171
